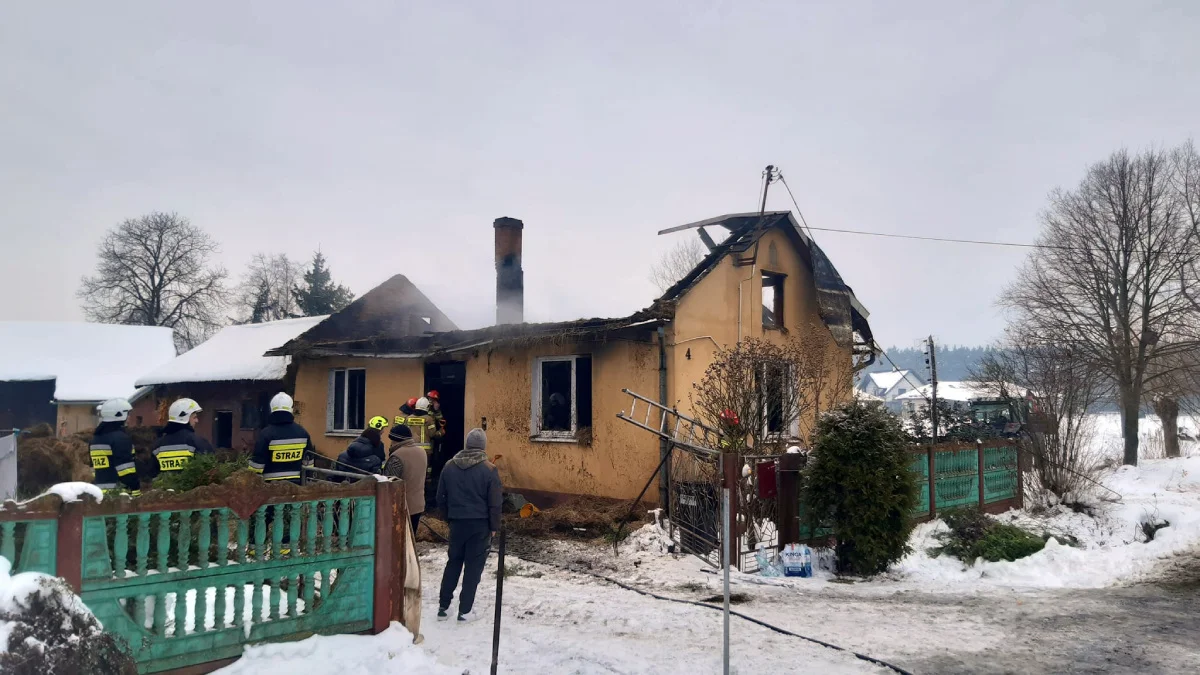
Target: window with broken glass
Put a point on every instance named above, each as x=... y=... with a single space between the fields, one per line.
x=562 y=397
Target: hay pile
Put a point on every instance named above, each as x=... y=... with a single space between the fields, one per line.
x=44 y=460
x=578 y=518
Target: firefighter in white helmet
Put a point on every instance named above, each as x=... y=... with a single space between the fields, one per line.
x=178 y=442
x=425 y=428
x=283 y=448
x=111 y=449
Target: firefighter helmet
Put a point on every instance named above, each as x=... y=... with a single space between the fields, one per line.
x=378 y=422
x=181 y=411
x=281 y=402
x=115 y=410
x=423 y=404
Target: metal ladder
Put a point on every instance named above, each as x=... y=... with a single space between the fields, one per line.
x=676 y=428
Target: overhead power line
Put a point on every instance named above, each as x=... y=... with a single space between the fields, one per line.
x=941 y=239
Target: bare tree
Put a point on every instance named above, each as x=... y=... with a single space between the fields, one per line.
x=1065 y=385
x=1113 y=278
x=155 y=271
x=267 y=291
x=1176 y=384
x=677 y=262
x=774 y=391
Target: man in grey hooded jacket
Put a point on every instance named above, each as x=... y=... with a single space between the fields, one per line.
x=469 y=496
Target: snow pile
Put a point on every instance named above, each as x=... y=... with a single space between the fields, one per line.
x=392 y=651
x=89 y=361
x=650 y=538
x=1111 y=548
x=73 y=492
x=235 y=353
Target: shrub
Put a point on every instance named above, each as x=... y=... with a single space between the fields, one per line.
x=208 y=469
x=973 y=534
x=858 y=482
x=50 y=631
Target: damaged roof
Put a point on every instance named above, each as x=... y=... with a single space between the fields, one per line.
x=839 y=308
x=367 y=328
x=394 y=309
x=458 y=340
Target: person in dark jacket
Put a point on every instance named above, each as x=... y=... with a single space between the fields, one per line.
x=469 y=496
x=111 y=449
x=283 y=447
x=178 y=443
x=366 y=453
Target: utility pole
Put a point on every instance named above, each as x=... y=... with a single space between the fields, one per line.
x=768 y=176
x=932 y=361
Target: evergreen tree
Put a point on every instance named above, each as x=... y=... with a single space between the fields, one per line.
x=318 y=294
x=858 y=483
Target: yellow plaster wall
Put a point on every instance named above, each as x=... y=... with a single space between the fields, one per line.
x=619 y=458
x=390 y=382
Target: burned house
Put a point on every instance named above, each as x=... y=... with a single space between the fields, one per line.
x=548 y=394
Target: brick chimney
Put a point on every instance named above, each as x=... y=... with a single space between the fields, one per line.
x=510 y=279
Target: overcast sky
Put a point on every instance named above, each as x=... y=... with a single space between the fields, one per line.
x=391 y=135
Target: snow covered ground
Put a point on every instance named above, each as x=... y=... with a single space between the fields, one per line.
x=1065 y=608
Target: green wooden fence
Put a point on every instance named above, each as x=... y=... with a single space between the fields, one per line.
x=190 y=579
x=986 y=474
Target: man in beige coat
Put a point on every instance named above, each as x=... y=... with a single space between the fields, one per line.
x=408 y=462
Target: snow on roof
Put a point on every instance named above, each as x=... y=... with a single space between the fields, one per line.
x=963 y=391
x=861 y=395
x=235 y=353
x=887 y=380
x=88 y=361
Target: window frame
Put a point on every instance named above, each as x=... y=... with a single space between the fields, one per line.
x=536 y=433
x=792 y=380
x=778 y=281
x=330 y=405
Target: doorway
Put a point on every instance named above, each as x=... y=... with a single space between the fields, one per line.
x=223 y=429
x=450 y=380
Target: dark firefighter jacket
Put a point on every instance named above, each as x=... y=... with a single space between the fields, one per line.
x=112 y=458
x=177 y=446
x=282 y=449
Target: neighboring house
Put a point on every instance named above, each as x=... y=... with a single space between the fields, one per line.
x=987 y=403
x=887 y=386
x=58 y=372
x=548 y=394
x=229 y=377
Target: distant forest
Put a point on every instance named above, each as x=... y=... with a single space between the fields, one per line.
x=954 y=363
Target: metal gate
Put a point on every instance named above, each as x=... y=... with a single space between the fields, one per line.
x=694 y=488
x=693 y=472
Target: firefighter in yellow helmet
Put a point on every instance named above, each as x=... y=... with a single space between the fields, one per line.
x=366 y=453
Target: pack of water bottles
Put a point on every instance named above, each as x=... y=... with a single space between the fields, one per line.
x=796 y=560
